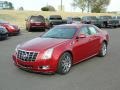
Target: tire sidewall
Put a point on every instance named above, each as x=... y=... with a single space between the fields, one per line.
x=101 y=50
x=59 y=69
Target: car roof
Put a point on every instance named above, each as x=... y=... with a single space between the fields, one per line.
x=36 y=16
x=73 y=25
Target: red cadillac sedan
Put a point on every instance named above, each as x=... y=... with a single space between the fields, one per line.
x=61 y=47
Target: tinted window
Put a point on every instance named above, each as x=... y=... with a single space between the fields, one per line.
x=60 y=32
x=55 y=17
x=118 y=17
x=92 y=30
x=77 y=19
x=93 y=17
x=37 y=19
x=83 y=18
x=114 y=17
x=105 y=17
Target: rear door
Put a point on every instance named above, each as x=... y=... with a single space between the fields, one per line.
x=94 y=40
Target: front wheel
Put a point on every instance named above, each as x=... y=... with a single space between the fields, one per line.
x=103 y=50
x=65 y=63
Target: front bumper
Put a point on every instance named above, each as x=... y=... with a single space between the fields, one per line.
x=41 y=66
x=3 y=36
x=14 y=32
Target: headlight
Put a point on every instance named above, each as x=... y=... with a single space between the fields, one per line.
x=48 y=54
x=16 y=49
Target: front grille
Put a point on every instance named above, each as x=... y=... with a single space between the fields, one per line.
x=27 y=55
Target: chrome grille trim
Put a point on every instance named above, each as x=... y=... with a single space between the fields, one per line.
x=27 y=56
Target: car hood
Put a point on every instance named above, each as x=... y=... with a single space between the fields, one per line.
x=39 y=44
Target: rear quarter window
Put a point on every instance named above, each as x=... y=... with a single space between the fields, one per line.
x=92 y=30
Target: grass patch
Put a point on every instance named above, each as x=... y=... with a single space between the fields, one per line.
x=18 y=17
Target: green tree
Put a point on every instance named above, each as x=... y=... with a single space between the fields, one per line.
x=98 y=6
x=92 y=5
x=21 y=9
x=51 y=8
x=44 y=9
x=10 y=5
x=48 y=8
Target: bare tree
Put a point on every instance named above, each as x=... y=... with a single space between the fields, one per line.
x=80 y=3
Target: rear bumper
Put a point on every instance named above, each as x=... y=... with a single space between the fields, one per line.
x=37 y=66
x=38 y=27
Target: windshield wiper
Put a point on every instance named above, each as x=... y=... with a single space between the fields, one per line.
x=54 y=37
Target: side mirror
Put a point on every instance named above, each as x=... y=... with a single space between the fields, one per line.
x=82 y=36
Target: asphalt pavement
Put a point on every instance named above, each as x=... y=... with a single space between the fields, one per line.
x=94 y=74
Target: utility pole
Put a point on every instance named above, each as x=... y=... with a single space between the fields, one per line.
x=61 y=5
x=88 y=5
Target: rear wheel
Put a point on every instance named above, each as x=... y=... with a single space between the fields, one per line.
x=43 y=30
x=65 y=63
x=26 y=28
x=103 y=50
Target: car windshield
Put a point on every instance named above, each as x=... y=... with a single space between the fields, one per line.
x=106 y=17
x=55 y=18
x=37 y=19
x=60 y=32
x=92 y=18
x=118 y=17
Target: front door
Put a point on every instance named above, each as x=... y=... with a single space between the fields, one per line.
x=81 y=45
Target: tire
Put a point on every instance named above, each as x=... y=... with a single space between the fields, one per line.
x=29 y=30
x=65 y=63
x=104 y=25
x=43 y=30
x=103 y=50
x=26 y=28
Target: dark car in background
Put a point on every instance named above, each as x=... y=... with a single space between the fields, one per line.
x=35 y=22
x=55 y=20
x=116 y=18
x=108 y=21
x=12 y=29
x=3 y=33
x=71 y=20
x=91 y=20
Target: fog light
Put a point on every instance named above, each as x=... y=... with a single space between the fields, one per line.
x=45 y=67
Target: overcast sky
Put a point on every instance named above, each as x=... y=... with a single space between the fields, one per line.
x=37 y=4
